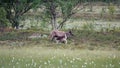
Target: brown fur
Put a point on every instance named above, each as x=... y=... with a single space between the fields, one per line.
x=60 y=36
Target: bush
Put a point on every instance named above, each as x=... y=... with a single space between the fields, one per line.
x=111 y=10
x=88 y=26
x=3 y=20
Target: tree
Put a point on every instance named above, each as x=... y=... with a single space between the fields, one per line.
x=16 y=8
x=3 y=20
x=59 y=9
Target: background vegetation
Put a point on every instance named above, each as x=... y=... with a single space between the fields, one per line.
x=25 y=26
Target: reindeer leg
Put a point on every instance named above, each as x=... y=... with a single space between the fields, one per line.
x=52 y=38
x=57 y=41
x=65 y=41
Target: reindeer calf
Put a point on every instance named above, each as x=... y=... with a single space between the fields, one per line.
x=60 y=36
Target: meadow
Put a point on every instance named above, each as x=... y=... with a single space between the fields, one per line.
x=38 y=56
x=96 y=44
x=88 y=49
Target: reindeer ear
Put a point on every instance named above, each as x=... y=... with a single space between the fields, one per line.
x=70 y=31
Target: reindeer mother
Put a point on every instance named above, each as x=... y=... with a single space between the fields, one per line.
x=60 y=36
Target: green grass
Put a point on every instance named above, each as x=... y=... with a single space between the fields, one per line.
x=89 y=39
x=48 y=57
x=88 y=49
x=10 y=62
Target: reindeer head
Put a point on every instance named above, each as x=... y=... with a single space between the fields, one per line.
x=69 y=33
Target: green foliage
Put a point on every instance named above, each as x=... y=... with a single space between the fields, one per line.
x=90 y=38
x=103 y=11
x=15 y=9
x=14 y=35
x=22 y=35
x=101 y=38
x=111 y=10
x=3 y=21
x=88 y=26
x=58 y=9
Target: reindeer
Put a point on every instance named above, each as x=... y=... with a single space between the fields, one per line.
x=60 y=36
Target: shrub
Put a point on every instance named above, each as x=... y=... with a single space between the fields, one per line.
x=3 y=20
x=88 y=26
x=111 y=10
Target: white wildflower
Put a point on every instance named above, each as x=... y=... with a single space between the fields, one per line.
x=114 y=56
x=39 y=66
x=17 y=62
x=13 y=66
x=71 y=61
x=32 y=60
x=60 y=61
x=49 y=61
x=26 y=65
x=64 y=55
x=83 y=66
x=65 y=63
x=45 y=63
x=85 y=63
x=92 y=62
x=35 y=64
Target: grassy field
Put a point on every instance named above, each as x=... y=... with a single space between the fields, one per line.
x=19 y=52
x=40 y=56
x=88 y=49
x=96 y=43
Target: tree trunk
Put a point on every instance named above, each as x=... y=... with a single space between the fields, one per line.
x=54 y=23
x=91 y=7
x=13 y=19
x=53 y=16
x=15 y=22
